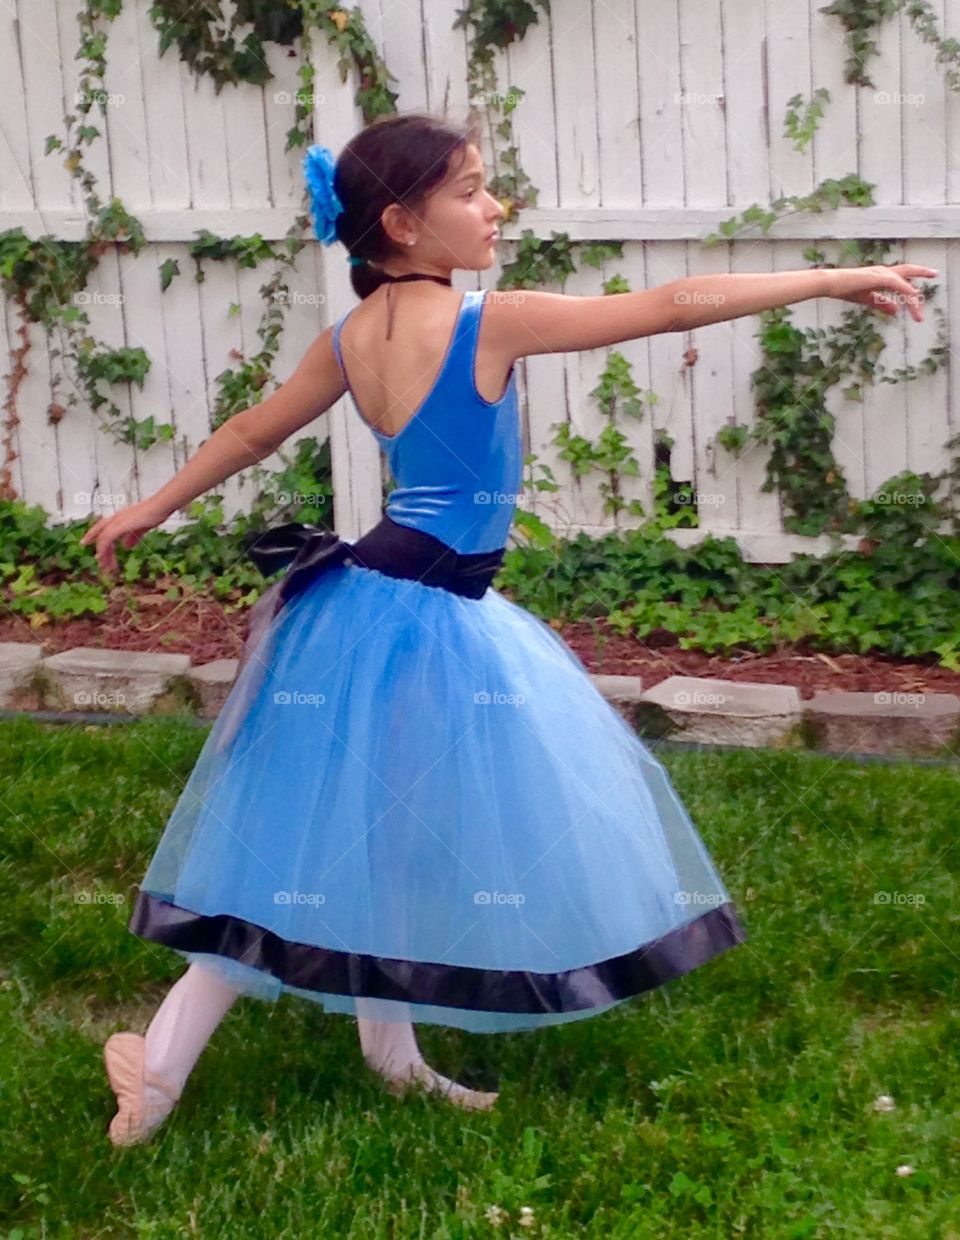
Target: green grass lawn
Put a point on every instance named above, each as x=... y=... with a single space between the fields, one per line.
x=735 y=1101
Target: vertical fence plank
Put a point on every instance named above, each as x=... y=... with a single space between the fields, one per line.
x=534 y=120
x=47 y=477
x=662 y=156
x=573 y=57
x=42 y=56
x=357 y=464
x=949 y=264
x=164 y=86
x=758 y=511
x=711 y=375
x=923 y=109
x=8 y=342
x=640 y=434
x=744 y=109
x=183 y=361
x=789 y=73
x=879 y=450
x=748 y=182
x=16 y=149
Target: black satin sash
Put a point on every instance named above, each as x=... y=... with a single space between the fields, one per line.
x=307 y=550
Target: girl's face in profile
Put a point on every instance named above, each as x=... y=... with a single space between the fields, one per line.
x=460 y=225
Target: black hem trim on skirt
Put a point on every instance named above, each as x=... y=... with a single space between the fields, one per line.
x=324 y=969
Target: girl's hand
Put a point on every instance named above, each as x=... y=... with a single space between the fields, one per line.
x=128 y=525
x=881 y=288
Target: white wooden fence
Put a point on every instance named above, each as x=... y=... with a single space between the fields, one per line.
x=645 y=122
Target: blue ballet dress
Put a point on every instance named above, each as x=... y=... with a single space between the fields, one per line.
x=414 y=803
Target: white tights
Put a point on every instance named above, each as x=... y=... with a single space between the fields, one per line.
x=198 y=1001
x=181 y=1027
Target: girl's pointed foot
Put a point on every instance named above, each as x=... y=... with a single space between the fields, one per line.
x=140 y=1109
x=434 y=1082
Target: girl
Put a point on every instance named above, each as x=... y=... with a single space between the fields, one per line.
x=415 y=806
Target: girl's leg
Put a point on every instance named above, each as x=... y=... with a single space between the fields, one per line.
x=179 y=1030
x=390 y=1048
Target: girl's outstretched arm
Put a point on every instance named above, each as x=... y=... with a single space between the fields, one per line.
x=525 y=322
x=245 y=439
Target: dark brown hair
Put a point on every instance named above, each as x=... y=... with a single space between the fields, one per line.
x=400 y=158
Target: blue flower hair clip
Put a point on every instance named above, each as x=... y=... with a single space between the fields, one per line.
x=319 y=166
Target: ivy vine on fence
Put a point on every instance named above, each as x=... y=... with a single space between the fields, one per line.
x=47 y=278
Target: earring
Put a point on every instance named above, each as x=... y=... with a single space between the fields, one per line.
x=410 y=242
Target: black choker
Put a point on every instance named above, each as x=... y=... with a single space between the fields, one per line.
x=418 y=275
x=413 y=275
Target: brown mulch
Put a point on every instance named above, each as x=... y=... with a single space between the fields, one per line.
x=141 y=617
x=203 y=628
x=808 y=671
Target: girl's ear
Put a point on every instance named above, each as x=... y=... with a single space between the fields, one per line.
x=398 y=223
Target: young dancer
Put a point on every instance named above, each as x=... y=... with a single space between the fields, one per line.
x=415 y=806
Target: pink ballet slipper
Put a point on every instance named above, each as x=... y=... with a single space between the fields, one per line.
x=123 y=1055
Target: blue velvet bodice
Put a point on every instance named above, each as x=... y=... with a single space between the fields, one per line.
x=458 y=461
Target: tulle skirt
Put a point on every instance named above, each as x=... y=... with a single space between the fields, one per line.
x=420 y=801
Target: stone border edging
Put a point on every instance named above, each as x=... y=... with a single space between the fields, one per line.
x=693 y=709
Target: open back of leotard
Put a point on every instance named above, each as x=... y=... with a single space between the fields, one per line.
x=458 y=460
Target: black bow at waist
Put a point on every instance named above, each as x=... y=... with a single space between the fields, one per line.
x=307 y=549
x=396 y=550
